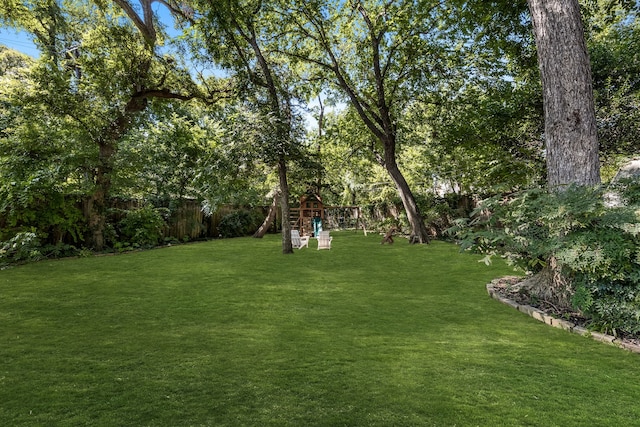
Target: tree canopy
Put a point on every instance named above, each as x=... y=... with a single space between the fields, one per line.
x=419 y=99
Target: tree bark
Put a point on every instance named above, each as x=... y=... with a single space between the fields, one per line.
x=550 y=285
x=268 y=220
x=419 y=232
x=287 y=247
x=570 y=123
x=96 y=207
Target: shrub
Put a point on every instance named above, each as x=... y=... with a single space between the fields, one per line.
x=27 y=247
x=60 y=250
x=22 y=247
x=239 y=223
x=439 y=212
x=40 y=207
x=142 y=227
x=596 y=248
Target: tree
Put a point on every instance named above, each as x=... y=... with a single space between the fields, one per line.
x=570 y=123
x=348 y=163
x=613 y=39
x=245 y=29
x=40 y=167
x=571 y=155
x=379 y=55
x=268 y=220
x=479 y=137
x=99 y=70
x=161 y=157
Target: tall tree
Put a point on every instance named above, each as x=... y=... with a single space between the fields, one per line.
x=100 y=70
x=246 y=28
x=379 y=55
x=40 y=166
x=570 y=121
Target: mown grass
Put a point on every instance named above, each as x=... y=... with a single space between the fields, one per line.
x=233 y=333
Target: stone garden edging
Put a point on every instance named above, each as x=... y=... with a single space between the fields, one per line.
x=560 y=323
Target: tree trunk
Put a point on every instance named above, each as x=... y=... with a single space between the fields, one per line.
x=550 y=285
x=96 y=208
x=419 y=232
x=271 y=215
x=287 y=247
x=570 y=123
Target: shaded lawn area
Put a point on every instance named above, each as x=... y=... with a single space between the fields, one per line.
x=231 y=332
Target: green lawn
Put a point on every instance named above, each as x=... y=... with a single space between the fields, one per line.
x=233 y=333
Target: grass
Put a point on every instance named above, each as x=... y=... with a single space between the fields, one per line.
x=233 y=333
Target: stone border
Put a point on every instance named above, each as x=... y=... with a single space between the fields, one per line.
x=560 y=323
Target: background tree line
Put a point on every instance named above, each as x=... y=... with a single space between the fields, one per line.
x=417 y=107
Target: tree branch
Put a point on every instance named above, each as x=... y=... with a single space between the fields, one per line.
x=162 y=94
x=364 y=110
x=148 y=31
x=382 y=105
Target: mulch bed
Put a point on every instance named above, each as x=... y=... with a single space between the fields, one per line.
x=509 y=287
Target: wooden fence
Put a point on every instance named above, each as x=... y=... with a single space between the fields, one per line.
x=188 y=221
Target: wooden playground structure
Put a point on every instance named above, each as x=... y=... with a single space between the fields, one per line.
x=312 y=216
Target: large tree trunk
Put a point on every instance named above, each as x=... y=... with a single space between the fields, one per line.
x=419 y=232
x=570 y=123
x=271 y=215
x=287 y=247
x=107 y=146
x=550 y=285
x=96 y=207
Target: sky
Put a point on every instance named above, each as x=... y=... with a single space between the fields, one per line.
x=19 y=41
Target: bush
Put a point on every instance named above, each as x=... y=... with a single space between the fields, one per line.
x=142 y=227
x=38 y=206
x=239 y=223
x=597 y=248
x=27 y=247
x=439 y=212
x=22 y=247
x=61 y=250
x=629 y=190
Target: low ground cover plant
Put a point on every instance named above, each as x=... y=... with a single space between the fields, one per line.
x=26 y=247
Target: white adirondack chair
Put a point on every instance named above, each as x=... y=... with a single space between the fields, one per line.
x=298 y=241
x=324 y=240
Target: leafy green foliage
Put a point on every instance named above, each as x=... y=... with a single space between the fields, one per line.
x=40 y=205
x=40 y=168
x=614 y=42
x=143 y=227
x=39 y=182
x=160 y=159
x=24 y=246
x=239 y=223
x=237 y=169
x=596 y=247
